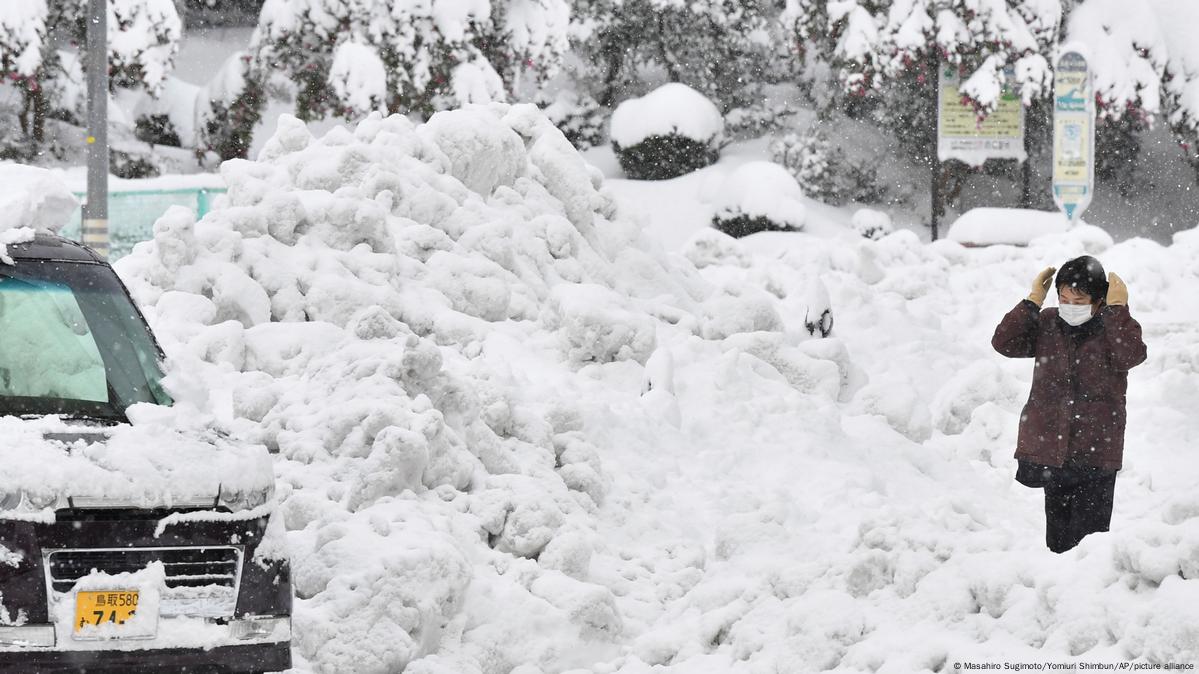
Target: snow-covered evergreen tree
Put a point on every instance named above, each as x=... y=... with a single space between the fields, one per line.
x=433 y=54
x=887 y=53
x=1146 y=65
x=229 y=107
x=23 y=53
x=879 y=43
x=143 y=38
x=810 y=158
x=722 y=48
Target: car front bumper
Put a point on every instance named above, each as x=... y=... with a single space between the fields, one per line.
x=242 y=658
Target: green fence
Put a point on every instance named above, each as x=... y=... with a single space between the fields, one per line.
x=131 y=214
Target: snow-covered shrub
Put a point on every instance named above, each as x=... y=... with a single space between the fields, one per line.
x=861 y=183
x=758 y=196
x=872 y=224
x=578 y=116
x=758 y=119
x=665 y=157
x=156 y=130
x=131 y=164
x=824 y=172
x=814 y=163
x=667 y=133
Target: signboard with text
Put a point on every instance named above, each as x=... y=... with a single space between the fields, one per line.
x=1073 y=134
x=962 y=136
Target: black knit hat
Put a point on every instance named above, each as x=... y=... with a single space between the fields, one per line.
x=1085 y=274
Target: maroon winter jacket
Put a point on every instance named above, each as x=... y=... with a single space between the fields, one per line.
x=1077 y=405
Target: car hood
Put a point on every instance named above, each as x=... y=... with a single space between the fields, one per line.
x=148 y=466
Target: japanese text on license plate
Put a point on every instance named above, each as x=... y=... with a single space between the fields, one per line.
x=101 y=608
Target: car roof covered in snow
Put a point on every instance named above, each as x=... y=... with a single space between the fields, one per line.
x=49 y=246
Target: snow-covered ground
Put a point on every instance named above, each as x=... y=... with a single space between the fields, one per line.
x=529 y=421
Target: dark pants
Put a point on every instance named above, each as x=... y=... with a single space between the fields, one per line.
x=1078 y=501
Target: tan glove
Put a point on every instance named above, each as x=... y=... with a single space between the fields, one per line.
x=1040 y=286
x=1117 y=292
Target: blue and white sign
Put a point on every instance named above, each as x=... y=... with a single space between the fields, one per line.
x=1073 y=133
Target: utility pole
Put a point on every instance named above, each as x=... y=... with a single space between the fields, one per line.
x=935 y=193
x=95 y=217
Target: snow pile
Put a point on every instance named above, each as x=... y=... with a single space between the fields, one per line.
x=883 y=531
x=989 y=226
x=761 y=189
x=872 y=224
x=34 y=198
x=672 y=109
x=515 y=437
x=413 y=317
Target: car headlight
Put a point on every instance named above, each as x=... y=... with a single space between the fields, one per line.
x=10 y=500
x=235 y=499
x=26 y=500
x=40 y=500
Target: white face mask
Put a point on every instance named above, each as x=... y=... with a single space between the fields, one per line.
x=1074 y=314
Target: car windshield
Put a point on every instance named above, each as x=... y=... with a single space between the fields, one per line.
x=72 y=343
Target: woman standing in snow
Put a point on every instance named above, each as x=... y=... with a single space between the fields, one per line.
x=1071 y=438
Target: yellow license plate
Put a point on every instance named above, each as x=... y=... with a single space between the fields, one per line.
x=102 y=608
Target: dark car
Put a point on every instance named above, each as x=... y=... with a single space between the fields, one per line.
x=98 y=578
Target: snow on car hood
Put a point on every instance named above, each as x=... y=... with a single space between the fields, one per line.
x=131 y=465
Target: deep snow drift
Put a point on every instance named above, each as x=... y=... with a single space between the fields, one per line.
x=515 y=435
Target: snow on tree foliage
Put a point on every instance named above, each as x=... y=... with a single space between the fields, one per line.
x=22 y=37
x=720 y=47
x=22 y=53
x=433 y=54
x=875 y=43
x=1146 y=63
x=143 y=38
x=229 y=107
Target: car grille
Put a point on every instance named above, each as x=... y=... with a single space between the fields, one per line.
x=185 y=567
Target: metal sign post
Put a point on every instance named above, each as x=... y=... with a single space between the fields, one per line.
x=95 y=216
x=1073 y=133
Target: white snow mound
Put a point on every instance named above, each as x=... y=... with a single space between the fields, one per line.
x=1014 y=226
x=34 y=197
x=670 y=109
x=415 y=318
x=761 y=189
